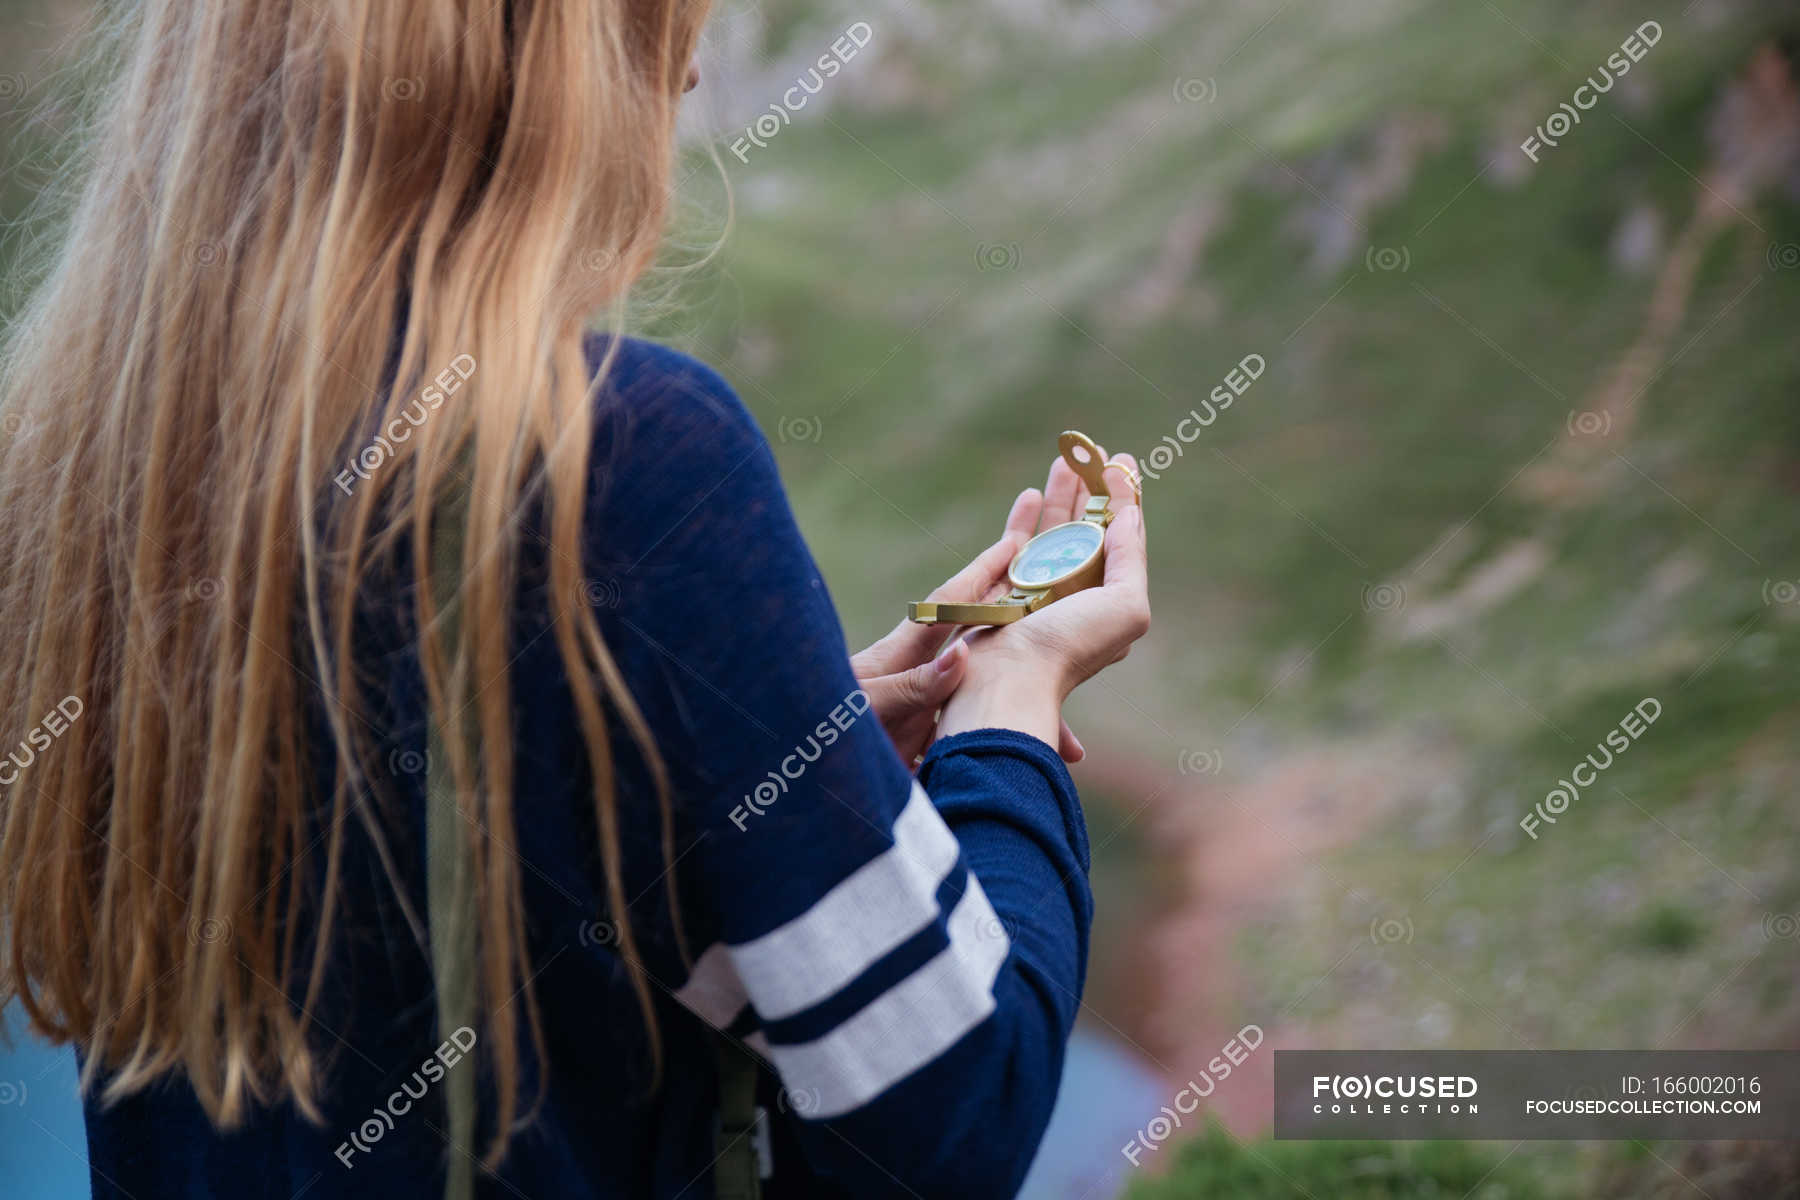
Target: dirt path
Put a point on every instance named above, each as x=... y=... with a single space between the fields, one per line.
x=1240 y=853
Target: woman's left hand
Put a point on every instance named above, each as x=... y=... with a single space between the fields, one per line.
x=904 y=674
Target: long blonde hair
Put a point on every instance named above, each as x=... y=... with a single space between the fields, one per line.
x=270 y=194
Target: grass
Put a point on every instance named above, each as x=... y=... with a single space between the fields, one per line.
x=1216 y=1165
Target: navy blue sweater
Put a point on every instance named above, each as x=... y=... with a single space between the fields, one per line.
x=905 y=953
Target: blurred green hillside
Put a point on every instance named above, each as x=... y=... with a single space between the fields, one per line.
x=1525 y=453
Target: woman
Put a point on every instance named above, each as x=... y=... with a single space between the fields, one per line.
x=318 y=502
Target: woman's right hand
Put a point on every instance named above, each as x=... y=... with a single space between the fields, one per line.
x=1019 y=674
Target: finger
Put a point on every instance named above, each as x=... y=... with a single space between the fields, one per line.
x=912 y=736
x=909 y=643
x=982 y=579
x=903 y=695
x=1062 y=495
x=975 y=579
x=1022 y=521
x=1119 y=474
x=1126 y=557
x=1069 y=746
x=901 y=647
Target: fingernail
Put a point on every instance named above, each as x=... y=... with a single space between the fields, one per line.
x=948 y=657
x=1080 y=750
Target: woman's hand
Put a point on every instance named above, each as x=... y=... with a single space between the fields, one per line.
x=910 y=673
x=1018 y=675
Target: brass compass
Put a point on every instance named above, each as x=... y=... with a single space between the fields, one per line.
x=1058 y=562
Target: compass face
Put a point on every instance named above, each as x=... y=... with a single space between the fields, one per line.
x=1056 y=554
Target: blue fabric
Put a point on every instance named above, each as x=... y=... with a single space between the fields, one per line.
x=824 y=915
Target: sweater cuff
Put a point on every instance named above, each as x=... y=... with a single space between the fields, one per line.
x=1022 y=759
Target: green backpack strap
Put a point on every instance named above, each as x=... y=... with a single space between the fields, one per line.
x=450 y=891
x=740 y=1144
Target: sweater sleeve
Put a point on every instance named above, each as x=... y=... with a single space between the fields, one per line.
x=906 y=953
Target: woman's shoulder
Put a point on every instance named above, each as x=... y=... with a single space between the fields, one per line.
x=671 y=437
x=656 y=389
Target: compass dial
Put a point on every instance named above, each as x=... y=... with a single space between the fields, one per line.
x=1056 y=554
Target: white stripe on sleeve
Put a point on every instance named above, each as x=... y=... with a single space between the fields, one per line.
x=850 y=928
x=907 y=1026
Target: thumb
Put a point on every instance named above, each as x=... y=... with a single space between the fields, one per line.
x=924 y=688
x=1125 y=552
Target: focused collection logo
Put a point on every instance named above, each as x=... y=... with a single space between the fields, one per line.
x=1385 y=1094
